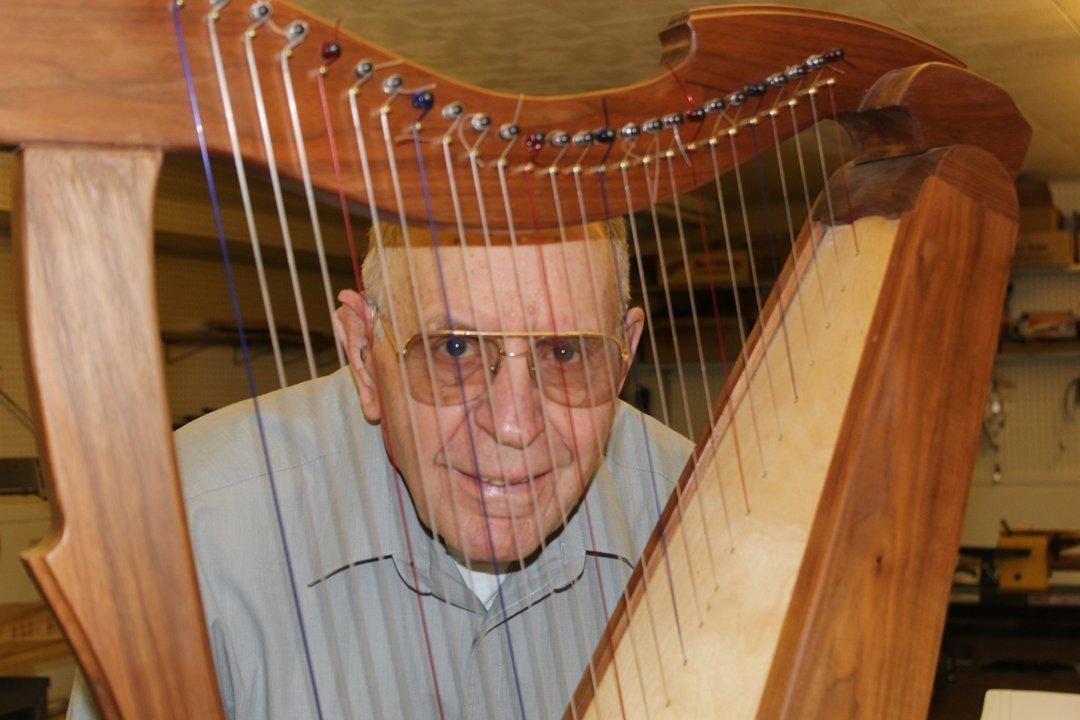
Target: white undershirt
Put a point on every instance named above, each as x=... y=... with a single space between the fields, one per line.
x=484 y=585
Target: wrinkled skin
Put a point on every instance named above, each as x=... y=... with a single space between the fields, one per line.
x=495 y=477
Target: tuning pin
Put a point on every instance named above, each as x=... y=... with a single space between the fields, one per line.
x=776 y=80
x=652 y=125
x=480 y=123
x=392 y=84
x=695 y=114
x=735 y=99
x=583 y=138
x=714 y=106
x=629 y=131
x=834 y=55
x=509 y=131
x=259 y=11
x=605 y=135
x=794 y=71
x=754 y=90
x=364 y=69
x=297 y=31
x=559 y=138
x=814 y=62
x=673 y=120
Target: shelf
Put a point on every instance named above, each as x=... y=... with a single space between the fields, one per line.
x=1059 y=348
x=1073 y=269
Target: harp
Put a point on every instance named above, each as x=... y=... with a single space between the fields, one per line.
x=801 y=566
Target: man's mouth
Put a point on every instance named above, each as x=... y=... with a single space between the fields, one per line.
x=502 y=480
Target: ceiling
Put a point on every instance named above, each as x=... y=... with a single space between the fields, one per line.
x=1029 y=47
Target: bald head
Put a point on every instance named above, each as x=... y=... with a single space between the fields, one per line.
x=610 y=249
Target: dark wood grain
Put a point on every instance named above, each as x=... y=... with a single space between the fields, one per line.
x=118 y=81
x=862 y=633
x=914 y=109
x=117 y=568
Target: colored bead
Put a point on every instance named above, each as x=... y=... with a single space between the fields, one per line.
x=605 y=135
x=330 y=51
x=423 y=100
x=695 y=114
x=535 y=141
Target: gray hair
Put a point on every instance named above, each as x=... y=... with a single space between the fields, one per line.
x=393 y=237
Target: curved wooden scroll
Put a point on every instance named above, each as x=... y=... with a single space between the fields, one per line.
x=106 y=72
x=837 y=585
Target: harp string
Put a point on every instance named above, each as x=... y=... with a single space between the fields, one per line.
x=296 y=34
x=388 y=140
x=795 y=263
x=553 y=176
x=335 y=162
x=657 y=501
x=724 y=369
x=295 y=37
x=528 y=175
x=708 y=398
x=275 y=184
x=813 y=241
x=425 y=190
x=811 y=93
x=753 y=272
x=474 y=165
x=371 y=517
x=392 y=309
x=245 y=195
x=743 y=350
x=829 y=84
x=446 y=143
x=651 y=190
x=780 y=309
x=544 y=410
x=219 y=228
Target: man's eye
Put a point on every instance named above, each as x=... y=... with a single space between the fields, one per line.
x=564 y=353
x=456 y=347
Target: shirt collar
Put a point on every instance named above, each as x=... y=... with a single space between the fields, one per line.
x=376 y=518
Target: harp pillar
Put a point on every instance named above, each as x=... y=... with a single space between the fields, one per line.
x=84 y=243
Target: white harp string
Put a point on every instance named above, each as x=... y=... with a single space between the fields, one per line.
x=279 y=200
x=309 y=191
x=754 y=277
x=795 y=263
x=743 y=350
x=813 y=241
x=245 y=195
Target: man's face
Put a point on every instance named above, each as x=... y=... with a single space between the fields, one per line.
x=496 y=475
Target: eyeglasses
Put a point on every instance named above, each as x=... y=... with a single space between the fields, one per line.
x=454 y=367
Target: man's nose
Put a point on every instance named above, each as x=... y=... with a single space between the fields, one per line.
x=511 y=412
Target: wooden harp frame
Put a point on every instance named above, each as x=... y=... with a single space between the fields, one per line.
x=94 y=99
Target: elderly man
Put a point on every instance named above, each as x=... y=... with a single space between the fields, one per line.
x=459 y=512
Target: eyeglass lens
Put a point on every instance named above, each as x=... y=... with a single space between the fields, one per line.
x=574 y=370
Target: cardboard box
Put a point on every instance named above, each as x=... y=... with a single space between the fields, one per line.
x=1039 y=218
x=1045 y=249
x=720 y=274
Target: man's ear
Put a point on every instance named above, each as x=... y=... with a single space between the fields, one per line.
x=354 y=323
x=633 y=325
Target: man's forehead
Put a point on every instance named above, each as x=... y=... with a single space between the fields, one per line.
x=526 y=282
